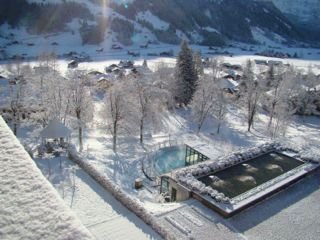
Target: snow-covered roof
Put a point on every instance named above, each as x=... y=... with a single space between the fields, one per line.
x=228 y=83
x=55 y=129
x=30 y=208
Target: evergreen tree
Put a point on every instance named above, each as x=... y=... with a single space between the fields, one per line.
x=185 y=75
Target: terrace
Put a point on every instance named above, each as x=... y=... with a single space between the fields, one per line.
x=234 y=183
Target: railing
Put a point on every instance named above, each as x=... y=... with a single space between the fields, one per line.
x=163 y=144
x=148 y=162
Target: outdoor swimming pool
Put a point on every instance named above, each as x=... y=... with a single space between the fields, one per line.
x=241 y=178
x=169 y=158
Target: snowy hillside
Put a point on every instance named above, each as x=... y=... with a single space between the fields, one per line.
x=304 y=10
x=141 y=22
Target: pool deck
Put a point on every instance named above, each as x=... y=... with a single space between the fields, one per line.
x=230 y=209
x=291 y=214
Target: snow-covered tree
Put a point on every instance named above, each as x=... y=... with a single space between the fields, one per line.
x=209 y=99
x=186 y=76
x=146 y=102
x=279 y=101
x=18 y=97
x=116 y=110
x=311 y=80
x=141 y=103
x=46 y=63
x=307 y=97
x=56 y=97
x=198 y=63
x=163 y=78
x=219 y=110
x=80 y=102
x=203 y=101
x=251 y=91
x=274 y=82
x=16 y=103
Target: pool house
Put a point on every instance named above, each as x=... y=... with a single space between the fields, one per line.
x=233 y=183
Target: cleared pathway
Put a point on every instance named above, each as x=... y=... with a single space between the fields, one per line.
x=99 y=211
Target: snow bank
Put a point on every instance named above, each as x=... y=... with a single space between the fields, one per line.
x=30 y=208
x=132 y=204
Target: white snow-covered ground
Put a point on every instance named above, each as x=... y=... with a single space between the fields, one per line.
x=97 y=209
x=30 y=208
x=125 y=166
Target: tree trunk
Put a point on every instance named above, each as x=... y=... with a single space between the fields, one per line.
x=114 y=146
x=15 y=128
x=250 y=121
x=80 y=139
x=141 y=131
x=218 y=128
x=78 y=113
x=15 y=124
x=271 y=114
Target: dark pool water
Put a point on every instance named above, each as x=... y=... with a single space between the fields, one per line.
x=241 y=178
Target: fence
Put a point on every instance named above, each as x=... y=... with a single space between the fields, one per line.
x=148 y=162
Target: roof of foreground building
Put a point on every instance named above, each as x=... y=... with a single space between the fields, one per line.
x=30 y=208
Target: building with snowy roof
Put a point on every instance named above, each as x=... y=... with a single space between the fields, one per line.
x=30 y=208
x=231 y=183
x=55 y=130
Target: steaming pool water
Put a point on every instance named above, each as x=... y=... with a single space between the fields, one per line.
x=240 y=178
x=170 y=158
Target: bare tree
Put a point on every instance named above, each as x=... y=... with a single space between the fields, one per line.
x=311 y=80
x=17 y=97
x=203 y=101
x=278 y=101
x=307 y=96
x=209 y=98
x=219 y=110
x=142 y=101
x=47 y=63
x=250 y=92
x=56 y=97
x=81 y=105
x=48 y=89
x=147 y=100
x=115 y=110
x=274 y=81
x=198 y=63
x=164 y=77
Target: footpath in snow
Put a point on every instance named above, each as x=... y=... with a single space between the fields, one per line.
x=98 y=210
